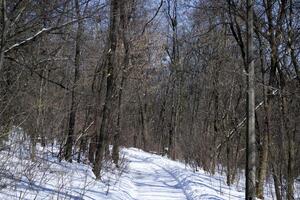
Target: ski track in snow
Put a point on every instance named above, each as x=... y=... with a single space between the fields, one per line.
x=158 y=178
x=154 y=182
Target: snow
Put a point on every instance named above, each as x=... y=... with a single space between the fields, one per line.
x=146 y=177
x=151 y=180
x=142 y=176
x=157 y=177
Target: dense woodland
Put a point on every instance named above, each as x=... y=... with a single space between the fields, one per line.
x=166 y=76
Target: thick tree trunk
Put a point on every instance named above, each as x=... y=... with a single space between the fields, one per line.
x=110 y=62
x=264 y=140
x=97 y=116
x=264 y=152
x=251 y=146
x=72 y=116
x=116 y=139
x=124 y=25
x=290 y=148
x=263 y=157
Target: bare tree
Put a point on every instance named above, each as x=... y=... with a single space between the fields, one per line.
x=109 y=65
x=251 y=142
x=74 y=99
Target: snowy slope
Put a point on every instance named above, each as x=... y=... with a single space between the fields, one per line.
x=144 y=176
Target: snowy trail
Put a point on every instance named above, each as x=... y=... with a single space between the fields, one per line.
x=154 y=182
x=157 y=178
x=145 y=176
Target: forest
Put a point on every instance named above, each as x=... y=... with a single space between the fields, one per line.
x=213 y=84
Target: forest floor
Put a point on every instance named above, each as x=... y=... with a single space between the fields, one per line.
x=143 y=176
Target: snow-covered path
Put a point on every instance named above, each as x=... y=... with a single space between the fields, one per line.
x=145 y=176
x=157 y=178
x=153 y=181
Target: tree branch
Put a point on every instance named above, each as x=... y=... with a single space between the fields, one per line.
x=38 y=34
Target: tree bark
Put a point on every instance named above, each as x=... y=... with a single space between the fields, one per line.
x=124 y=25
x=73 y=109
x=264 y=148
x=291 y=41
x=4 y=23
x=276 y=183
x=109 y=64
x=290 y=147
x=144 y=122
x=251 y=146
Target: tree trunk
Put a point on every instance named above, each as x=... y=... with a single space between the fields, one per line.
x=172 y=122
x=97 y=116
x=291 y=148
x=264 y=152
x=72 y=116
x=124 y=26
x=228 y=175
x=4 y=23
x=251 y=146
x=291 y=42
x=109 y=64
x=83 y=139
x=264 y=148
x=144 y=121
x=276 y=183
x=116 y=139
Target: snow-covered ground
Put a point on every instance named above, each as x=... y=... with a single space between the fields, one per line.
x=143 y=176
x=156 y=177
